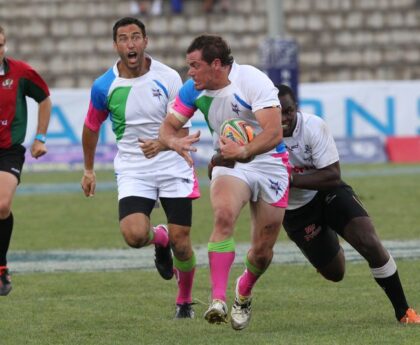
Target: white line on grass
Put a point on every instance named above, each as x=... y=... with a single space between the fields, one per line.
x=70 y=187
x=123 y=259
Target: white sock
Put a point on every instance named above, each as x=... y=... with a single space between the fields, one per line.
x=386 y=270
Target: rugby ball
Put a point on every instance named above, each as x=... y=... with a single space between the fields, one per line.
x=238 y=130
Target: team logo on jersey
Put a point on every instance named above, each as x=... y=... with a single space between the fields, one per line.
x=308 y=155
x=293 y=147
x=156 y=93
x=3 y=122
x=329 y=198
x=235 y=108
x=311 y=231
x=17 y=171
x=275 y=186
x=7 y=83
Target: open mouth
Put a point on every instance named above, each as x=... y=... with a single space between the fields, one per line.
x=132 y=56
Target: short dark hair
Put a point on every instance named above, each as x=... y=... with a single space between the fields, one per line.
x=212 y=47
x=285 y=90
x=127 y=21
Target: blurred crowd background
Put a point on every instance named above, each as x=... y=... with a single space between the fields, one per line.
x=70 y=42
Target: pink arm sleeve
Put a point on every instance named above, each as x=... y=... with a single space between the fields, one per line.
x=95 y=117
x=181 y=110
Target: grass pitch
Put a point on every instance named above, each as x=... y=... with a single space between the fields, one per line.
x=292 y=303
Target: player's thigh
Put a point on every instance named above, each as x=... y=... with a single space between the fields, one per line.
x=8 y=183
x=130 y=185
x=178 y=211
x=346 y=214
x=12 y=160
x=179 y=217
x=267 y=178
x=136 y=196
x=134 y=215
x=228 y=195
x=334 y=270
x=306 y=227
x=178 y=182
x=11 y=164
x=341 y=206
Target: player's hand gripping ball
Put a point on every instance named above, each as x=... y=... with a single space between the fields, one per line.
x=239 y=131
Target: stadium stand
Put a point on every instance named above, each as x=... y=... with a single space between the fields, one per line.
x=69 y=42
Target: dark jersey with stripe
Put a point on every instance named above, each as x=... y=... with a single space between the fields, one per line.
x=19 y=80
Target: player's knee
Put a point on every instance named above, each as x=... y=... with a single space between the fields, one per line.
x=182 y=251
x=135 y=239
x=262 y=257
x=4 y=209
x=224 y=219
x=334 y=271
x=335 y=277
x=181 y=244
x=136 y=242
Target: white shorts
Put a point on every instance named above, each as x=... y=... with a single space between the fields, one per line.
x=266 y=175
x=158 y=184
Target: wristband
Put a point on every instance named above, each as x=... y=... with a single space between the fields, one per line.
x=41 y=137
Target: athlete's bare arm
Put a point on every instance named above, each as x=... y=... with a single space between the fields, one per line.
x=89 y=142
x=151 y=147
x=39 y=148
x=168 y=135
x=322 y=179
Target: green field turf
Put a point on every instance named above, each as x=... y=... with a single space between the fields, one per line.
x=292 y=304
x=70 y=220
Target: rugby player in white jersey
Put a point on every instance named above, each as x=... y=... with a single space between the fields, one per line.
x=222 y=89
x=135 y=94
x=321 y=206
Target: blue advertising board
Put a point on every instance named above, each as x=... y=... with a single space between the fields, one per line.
x=279 y=60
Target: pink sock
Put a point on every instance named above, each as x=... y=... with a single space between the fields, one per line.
x=220 y=264
x=185 y=283
x=160 y=237
x=246 y=282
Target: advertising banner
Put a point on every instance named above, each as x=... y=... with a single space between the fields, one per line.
x=279 y=60
x=353 y=111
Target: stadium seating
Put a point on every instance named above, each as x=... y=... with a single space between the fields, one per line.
x=69 y=42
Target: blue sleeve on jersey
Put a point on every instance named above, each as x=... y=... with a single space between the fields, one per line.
x=281 y=148
x=188 y=94
x=100 y=89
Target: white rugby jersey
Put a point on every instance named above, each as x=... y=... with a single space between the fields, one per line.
x=136 y=107
x=249 y=91
x=311 y=147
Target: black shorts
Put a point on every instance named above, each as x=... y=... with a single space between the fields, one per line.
x=12 y=159
x=177 y=210
x=314 y=226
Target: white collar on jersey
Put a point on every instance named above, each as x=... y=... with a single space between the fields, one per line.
x=233 y=71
